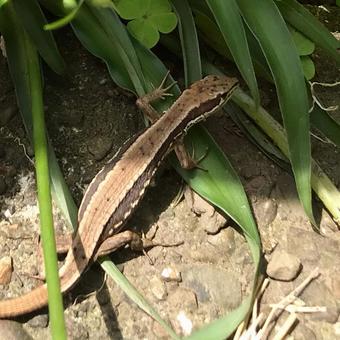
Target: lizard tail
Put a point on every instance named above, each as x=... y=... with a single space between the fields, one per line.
x=26 y=303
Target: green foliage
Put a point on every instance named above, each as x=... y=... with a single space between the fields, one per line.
x=147 y=19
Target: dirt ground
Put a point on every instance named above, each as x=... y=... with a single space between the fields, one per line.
x=88 y=119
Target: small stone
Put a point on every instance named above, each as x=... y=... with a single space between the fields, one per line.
x=158 y=288
x=283 y=266
x=183 y=298
x=336 y=327
x=100 y=147
x=185 y=323
x=318 y=294
x=7 y=114
x=39 y=321
x=213 y=224
x=6 y=270
x=171 y=274
x=3 y=185
x=103 y=81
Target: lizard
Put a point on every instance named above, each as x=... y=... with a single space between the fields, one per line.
x=116 y=190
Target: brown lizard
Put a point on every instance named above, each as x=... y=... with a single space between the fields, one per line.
x=116 y=190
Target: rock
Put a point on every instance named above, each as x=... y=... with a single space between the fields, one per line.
x=283 y=266
x=185 y=323
x=7 y=114
x=213 y=285
x=337 y=328
x=158 y=288
x=184 y=299
x=213 y=224
x=211 y=220
x=171 y=274
x=100 y=147
x=6 y=270
x=301 y=332
x=11 y=330
x=3 y=185
x=265 y=211
x=317 y=294
x=39 y=321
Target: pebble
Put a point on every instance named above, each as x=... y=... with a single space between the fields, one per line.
x=11 y=330
x=265 y=211
x=7 y=114
x=318 y=294
x=158 y=288
x=283 y=266
x=100 y=147
x=171 y=274
x=212 y=284
x=6 y=270
x=39 y=321
x=185 y=323
x=213 y=224
x=3 y=185
x=183 y=298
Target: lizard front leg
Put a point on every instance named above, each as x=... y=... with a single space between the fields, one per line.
x=144 y=104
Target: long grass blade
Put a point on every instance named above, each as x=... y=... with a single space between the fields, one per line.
x=133 y=294
x=330 y=128
x=229 y=21
x=189 y=41
x=34 y=20
x=24 y=67
x=267 y=24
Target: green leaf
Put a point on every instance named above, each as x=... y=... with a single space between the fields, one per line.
x=149 y=18
x=308 y=67
x=266 y=23
x=24 y=68
x=143 y=31
x=131 y=9
x=303 y=44
x=33 y=20
x=189 y=42
x=165 y=22
x=229 y=21
x=97 y=29
x=300 y=18
x=133 y=294
x=330 y=128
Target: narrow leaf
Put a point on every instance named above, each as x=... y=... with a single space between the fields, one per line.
x=266 y=23
x=34 y=20
x=189 y=41
x=229 y=21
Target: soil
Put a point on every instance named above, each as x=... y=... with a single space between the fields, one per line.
x=88 y=119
